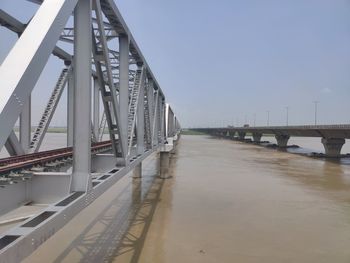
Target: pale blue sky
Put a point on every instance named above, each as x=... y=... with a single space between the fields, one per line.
x=219 y=61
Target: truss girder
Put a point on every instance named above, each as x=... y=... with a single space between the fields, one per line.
x=155 y=118
x=147 y=117
x=137 y=112
x=22 y=67
x=11 y=23
x=112 y=94
x=16 y=26
x=49 y=110
x=115 y=19
x=134 y=106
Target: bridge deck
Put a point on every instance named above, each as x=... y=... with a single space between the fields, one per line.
x=325 y=131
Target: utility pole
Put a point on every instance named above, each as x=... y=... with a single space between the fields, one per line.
x=254 y=118
x=287 y=109
x=316 y=102
x=268 y=118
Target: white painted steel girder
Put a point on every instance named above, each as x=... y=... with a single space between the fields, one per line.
x=22 y=67
x=19 y=74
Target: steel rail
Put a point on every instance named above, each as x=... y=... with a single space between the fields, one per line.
x=28 y=160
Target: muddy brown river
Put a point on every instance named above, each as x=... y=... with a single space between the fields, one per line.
x=225 y=202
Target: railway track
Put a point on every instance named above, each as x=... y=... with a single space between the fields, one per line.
x=20 y=166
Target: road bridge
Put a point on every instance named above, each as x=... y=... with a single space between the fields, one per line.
x=110 y=90
x=332 y=136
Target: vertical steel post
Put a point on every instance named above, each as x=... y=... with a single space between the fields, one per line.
x=124 y=89
x=70 y=108
x=151 y=105
x=155 y=118
x=166 y=119
x=81 y=180
x=163 y=136
x=140 y=117
x=25 y=126
x=96 y=100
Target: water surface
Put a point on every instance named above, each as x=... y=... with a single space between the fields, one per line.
x=226 y=202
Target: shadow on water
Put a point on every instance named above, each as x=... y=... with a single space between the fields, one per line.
x=134 y=238
x=125 y=224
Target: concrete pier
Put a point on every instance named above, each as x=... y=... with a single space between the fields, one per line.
x=137 y=172
x=164 y=165
x=257 y=137
x=282 y=140
x=241 y=135
x=332 y=146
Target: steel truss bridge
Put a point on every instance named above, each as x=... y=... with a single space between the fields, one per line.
x=106 y=66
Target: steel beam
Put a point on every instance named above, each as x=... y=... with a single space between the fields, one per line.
x=70 y=108
x=22 y=67
x=124 y=88
x=162 y=121
x=49 y=111
x=150 y=97
x=96 y=100
x=25 y=126
x=140 y=116
x=13 y=145
x=114 y=120
x=116 y=20
x=16 y=26
x=167 y=120
x=11 y=23
x=155 y=119
x=81 y=180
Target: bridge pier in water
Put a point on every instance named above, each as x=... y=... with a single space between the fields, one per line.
x=164 y=164
x=333 y=146
x=165 y=155
x=257 y=137
x=137 y=172
x=241 y=135
x=282 y=140
x=231 y=135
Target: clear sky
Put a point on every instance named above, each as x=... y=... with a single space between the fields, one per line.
x=220 y=62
